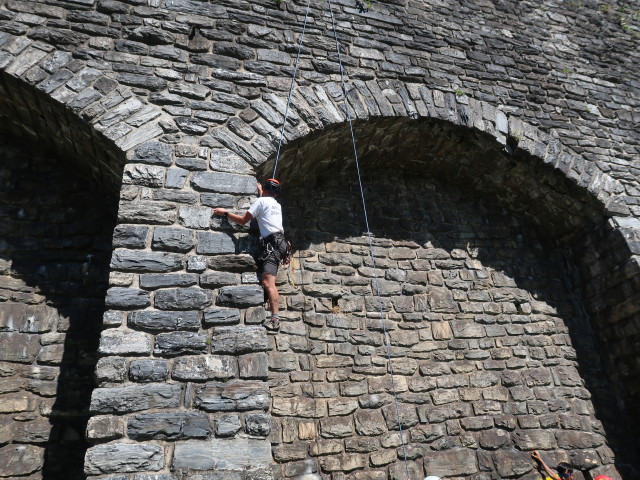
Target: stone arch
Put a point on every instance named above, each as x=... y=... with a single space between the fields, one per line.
x=62 y=170
x=318 y=116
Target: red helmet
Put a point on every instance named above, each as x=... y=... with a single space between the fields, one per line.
x=603 y=477
x=272 y=186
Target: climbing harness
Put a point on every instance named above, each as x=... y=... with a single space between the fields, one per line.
x=364 y=206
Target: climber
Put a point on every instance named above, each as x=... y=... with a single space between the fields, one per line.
x=268 y=213
x=565 y=471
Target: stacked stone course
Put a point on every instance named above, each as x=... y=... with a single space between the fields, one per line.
x=182 y=102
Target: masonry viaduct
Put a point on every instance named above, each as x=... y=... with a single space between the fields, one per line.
x=498 y=144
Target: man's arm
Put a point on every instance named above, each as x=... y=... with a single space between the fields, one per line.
x=240 y=219
x=536 y=456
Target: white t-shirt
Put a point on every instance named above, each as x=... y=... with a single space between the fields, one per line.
x=268 y=213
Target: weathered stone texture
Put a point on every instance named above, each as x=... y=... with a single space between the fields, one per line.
x=500 y=170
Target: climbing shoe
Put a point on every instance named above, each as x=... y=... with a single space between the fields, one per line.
x=272 y=323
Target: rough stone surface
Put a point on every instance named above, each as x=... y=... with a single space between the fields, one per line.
x=501 y=184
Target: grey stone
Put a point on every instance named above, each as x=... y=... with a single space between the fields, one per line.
x=214 y=243
x=168 y=426
x=153 y=153
x=178 y=343
x=143 y=175
x=135 y=398
x=195 y=217
x=221 y=316
x=105 y=428
x=130 y=236
x=237 y=454
x=164 y=321
x=253 y=366
x=127 y=298
x=258 y=424
x=243 y=296
x=111 y=369
x=19 y=347
x=20 y=459
x=136 y=261
x=204 y=367
x=147 y=212
x=197 y=263
x=224 y=183
x=145 y=371
x=217 y=279
x=176 y=178
x=164 y=280
x=232 y=396
x=119 y=342
x=228 y=425
x=123 y=457
x=182 y=299
x=238 y=339
x=172 y=239
x=457 y=461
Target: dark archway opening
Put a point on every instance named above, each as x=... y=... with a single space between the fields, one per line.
x=431 y=185
x=59 y=184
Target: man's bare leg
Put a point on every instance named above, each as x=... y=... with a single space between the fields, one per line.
x=269 y=285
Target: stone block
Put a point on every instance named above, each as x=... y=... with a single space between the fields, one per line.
x=453 y=462
x=573 y=439
x=179 y=343
x=232 y=396
x=147 y=212
x=168 y=426
x=35 y=431
x=153 y=153
x=336 y=427
x=134 y=398
x=253 y=366
x=441 y=300
x=121 y=342
x=342 y=463
x=233 y=263
x=111 y=369
x=534 y=440
x=224 y=183
x=105 y=427
x=222 y=454
x=19 y=347
x=145 y=262
x=195 y=217
x=217 y=279
x=127 y=298
x=511 y=464
x=164 y=321
x=299 y=407
x=182 y=299
x=172 y=239
x=147 y=370
x=17 y=460
x=214 y=243
x=207 y=367
x=258 y=424
x=221 y=316
x=234 y=340
x=143 y=175
x=123 y=458
x=17 y=402
x=240 y=297
x=228 y=425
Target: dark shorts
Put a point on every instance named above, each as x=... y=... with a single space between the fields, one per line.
x=274 y=247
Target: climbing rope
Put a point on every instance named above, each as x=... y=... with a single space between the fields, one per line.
x=369 y=236
x=293 y=80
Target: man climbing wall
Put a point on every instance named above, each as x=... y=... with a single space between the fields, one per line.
x=268 y=213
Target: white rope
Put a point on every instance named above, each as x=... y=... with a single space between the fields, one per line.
x=369 y=235
x=293 y=79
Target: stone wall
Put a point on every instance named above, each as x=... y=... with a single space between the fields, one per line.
x=54 y=253
x=192 y=94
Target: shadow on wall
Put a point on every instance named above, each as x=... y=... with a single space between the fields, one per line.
x=55 y=247
x=441 y=198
